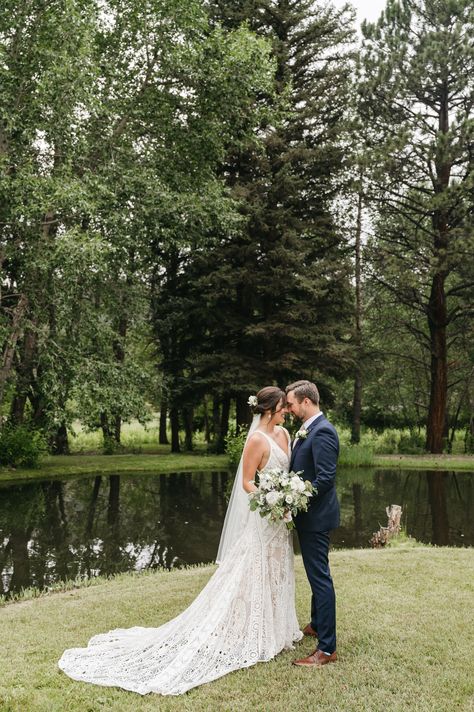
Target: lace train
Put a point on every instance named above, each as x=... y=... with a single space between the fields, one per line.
x=244 y=615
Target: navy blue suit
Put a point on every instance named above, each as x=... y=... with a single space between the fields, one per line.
x=317 y=456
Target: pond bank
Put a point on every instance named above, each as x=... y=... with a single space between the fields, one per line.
x=425 y=462
x=72 y=465
x=403 y=651
x=163 y=462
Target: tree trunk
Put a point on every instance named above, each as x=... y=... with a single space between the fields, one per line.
x=25 y=377
x=357 y=401
x=207 y=425
x=163 y=437
x=117 y=429
x=356 y=406
x=437 y=307
x=10 y=347
x=119 y=353
x=188 y=427
x=242 y=411
x=107 y=434
x=216 y=418
x=60 y=443
x=224 y=424
x=439 y=367
x=174 y=422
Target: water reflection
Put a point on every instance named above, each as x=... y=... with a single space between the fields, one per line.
x=51 y=531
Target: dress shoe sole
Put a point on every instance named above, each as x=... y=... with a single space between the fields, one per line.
x=317 y=664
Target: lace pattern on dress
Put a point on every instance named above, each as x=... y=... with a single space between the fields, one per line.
x=244 y=615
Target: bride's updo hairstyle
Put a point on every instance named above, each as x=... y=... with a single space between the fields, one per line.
x=268 y=399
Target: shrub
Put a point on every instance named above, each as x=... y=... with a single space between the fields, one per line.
x=234 y=444
x=411 y=444
x=469 y=441
x=20 y=446
x=387 y=442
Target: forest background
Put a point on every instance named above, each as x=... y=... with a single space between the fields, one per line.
x=199 y=198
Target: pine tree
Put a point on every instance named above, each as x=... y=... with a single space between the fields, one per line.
x=277 y=290
x=417 y=95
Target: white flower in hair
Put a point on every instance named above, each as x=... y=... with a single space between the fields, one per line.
x=253 y=401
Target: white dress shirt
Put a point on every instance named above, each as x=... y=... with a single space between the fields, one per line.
x=308 y=422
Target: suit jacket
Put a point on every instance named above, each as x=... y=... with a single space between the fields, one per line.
x=317 y=456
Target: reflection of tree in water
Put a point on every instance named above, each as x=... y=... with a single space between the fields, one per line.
x=439 y=508
x=101 y=525
x=113 y=550
x=20 y=561
x=20 y=512
x=54 y=541
x=193 y=506
x=357 y=497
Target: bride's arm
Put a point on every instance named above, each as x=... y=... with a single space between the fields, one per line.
x=251 y=459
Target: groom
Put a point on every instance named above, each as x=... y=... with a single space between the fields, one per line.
x=315 y=452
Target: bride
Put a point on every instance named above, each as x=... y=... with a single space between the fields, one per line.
x=246 y=612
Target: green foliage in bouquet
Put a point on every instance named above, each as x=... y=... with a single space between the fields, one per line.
x=281 y=495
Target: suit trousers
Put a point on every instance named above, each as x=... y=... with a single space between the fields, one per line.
x=315 y=550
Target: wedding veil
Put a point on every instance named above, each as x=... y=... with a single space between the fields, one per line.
x=238 y=509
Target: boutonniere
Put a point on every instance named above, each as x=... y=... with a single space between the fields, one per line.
x=302 y=434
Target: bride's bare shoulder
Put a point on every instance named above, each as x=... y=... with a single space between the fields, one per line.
x=285 y=432
x=257 y=439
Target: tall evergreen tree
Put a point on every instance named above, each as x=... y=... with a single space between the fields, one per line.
x=277 y=290
x=417 y=89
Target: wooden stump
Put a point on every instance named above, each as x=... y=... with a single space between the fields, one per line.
x=384 y=534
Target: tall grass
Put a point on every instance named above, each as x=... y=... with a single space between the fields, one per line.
x=356 y=455
x=134 y=437
x=396 y=441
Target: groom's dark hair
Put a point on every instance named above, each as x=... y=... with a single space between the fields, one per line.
x=304 y=389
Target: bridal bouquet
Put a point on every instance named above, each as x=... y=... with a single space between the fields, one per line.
x=281 y=495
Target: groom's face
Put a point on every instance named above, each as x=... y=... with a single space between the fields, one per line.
x=294 y=407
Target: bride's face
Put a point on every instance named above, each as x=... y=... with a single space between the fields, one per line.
x=279 y=415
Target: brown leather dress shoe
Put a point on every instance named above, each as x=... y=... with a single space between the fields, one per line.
x=316 y=659
x=309 y=630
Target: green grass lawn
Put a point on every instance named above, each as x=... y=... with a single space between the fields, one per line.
x=158 y=462
x=405 y=625
x=425 y=462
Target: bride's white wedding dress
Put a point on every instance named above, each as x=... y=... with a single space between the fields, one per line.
x=244 y=615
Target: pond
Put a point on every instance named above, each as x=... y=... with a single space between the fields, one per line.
x=87 y=526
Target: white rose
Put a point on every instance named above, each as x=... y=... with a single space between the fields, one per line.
x=272 y=498
x=297 y=485
x=289 y=499
x=265 y=483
